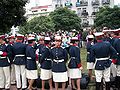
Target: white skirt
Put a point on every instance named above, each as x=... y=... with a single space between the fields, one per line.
x=90 y=65
x=45 y=74
x=31 y=74
x=60 y=76
x=74 y=73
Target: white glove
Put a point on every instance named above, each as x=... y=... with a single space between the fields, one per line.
x=81 y=68
x=39 y=65
x=1 y=52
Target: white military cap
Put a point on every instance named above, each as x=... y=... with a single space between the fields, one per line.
x=90 y=36
x=99 y=34
x=47 y=39
x=58 y=38
x=74 y=38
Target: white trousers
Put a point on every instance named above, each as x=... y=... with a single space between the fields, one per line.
x=118 y=70
x=102 y=73
x=5 y=77
x=113 y=70
x=20 y=71
x=12 y=72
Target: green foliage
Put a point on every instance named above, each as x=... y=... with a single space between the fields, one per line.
x=11 y=13
x=108 y=17
x=65 y=19
x=38 y=24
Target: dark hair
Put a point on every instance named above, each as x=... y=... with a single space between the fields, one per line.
x=73 y=41
x=46 y=42
x=30 y=41
x=90 y=39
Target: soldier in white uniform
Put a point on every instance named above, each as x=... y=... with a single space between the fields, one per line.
x=4 y=65
x=100 y=54
x=20 y=62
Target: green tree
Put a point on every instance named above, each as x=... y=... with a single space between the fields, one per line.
x=65 y=19
x=11 y=13
x=108 y=17
x=38 y=24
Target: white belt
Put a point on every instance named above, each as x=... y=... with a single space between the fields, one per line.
x=29 y=58
x=2 y=57
x=97 y=59
x=61 y=60
x=88 y=52
x=72 y=57
x=48 y=59
x=102 y=58
x=19 y=55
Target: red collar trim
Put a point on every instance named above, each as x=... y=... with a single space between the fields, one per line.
x=99 y=41
x=75 y=45
x=30 y=45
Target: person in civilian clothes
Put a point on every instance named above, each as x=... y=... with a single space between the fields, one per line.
x=11 y=40
x=90 y=39
x=4 y=65
x=75 y=63
x=31 y=65
x=116 y=45
x=100 y=55
x=46 y=62
x=59 y=69
x=20 y=62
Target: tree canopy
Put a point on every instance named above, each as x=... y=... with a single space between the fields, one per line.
x=38 y=24
x=108 y=17
x=11 y=13
x=65 y=19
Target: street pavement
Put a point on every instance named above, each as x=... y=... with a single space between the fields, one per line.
x=13 y=87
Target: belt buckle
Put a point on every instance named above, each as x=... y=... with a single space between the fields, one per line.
x=57 y=61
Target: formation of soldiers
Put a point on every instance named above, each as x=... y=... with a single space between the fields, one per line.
x=21 y=56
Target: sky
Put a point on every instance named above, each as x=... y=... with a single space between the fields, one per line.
x=41 y=3
x=116 y=2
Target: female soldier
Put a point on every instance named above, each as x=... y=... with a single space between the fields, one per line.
x=31 y=66
x=46 y=73
x=74 y=63
x=59 y=69
x=90 y=39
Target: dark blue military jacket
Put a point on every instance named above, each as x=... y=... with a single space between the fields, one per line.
x=40 y=47
x=46 y=60
x=59 y=54
x=31 y=58
x=116 y=45
x=75 y=59
x=88 y=47
x=11 y=53
x=108 y=39
x=4 y=61
x=19 y=49
x=112 y=41
x=102 y=50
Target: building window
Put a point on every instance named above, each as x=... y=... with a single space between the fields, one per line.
x=79 y=11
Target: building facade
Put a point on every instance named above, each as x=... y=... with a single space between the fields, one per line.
x=85 y=9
